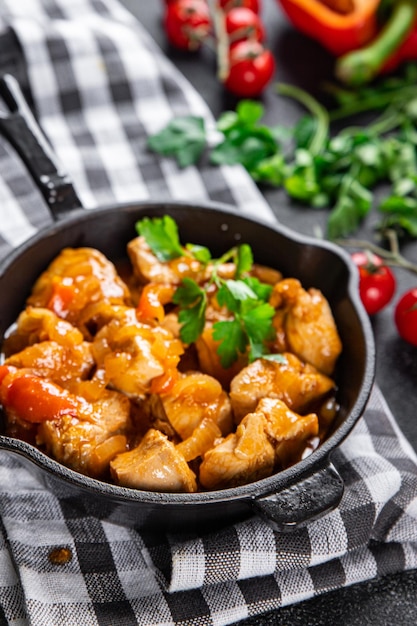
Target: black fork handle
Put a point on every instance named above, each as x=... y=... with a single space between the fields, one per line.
x=19 y=126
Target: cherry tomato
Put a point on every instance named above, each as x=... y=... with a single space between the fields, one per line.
x=187 y=23
x=251 y=68
x=253 y=5
x=242 y=23
x=405 y=316
x=376 y=281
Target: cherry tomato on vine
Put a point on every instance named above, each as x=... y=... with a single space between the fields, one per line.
x=405 y=316
x=227 y=5
x=376 y=281
x=251 y=68
x=242 y=23
x=187 y=23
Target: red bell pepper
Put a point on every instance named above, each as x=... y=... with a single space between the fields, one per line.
x=339 y=25
x=34 y=399
x=395 y=42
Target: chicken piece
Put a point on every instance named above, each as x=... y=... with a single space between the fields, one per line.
x=72 y=440
x=171 y=323
x=283 y=424
x=194 y=396
x=271 y=436
x=49 y=359
x=265 y=274
x=148 y=269
x=297 y=384
x=98 y=314
x=76 y=278
x=154 y=465
x=242 y=457
x=202 y=439
x=131 y=355
x=307 y=321
x=287 y=430
x=152 y=301
x=36 y=324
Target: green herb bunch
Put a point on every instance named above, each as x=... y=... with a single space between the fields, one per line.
x=245 y=297
x=317 y=165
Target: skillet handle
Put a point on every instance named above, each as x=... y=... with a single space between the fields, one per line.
x=21 y=129
x=308 y=499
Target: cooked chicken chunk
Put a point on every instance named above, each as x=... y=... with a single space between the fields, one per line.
x=72 y=440
x=308 y=325
x=154 y=465
x=296 y=383
x=265 y=274
x=148 y=269
x=96 y=315
x=75 y=279
x=194 y=396
x=51 y=360
x=131 y=355
x=287 y=430
x=201 y=439
x=171 y=323
x=36 y=324
x=258 y=446
x=242 y=457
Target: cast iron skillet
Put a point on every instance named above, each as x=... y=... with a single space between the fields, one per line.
x=287 y=499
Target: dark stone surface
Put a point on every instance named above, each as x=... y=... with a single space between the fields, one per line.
x=392 y=599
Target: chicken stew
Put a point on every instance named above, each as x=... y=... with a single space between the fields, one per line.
x=175 y=372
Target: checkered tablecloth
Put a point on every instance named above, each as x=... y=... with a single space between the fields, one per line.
x=100 y=86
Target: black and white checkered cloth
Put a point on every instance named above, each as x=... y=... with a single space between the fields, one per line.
x=100 y=87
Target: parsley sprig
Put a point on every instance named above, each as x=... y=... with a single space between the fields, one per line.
x=245 y=297
x=322 y=161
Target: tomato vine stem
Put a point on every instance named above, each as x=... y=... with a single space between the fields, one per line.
x=392 y=256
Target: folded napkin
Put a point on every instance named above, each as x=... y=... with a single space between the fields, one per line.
x=100 y=86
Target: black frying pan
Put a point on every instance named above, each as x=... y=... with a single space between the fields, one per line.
x=287 y=499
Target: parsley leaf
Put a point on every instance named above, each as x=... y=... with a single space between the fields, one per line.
x=183 y=138
x=232 y=292
x=252 y=324
x=161 y=234
x=257 y=321
x=201 y=253
x=192 y=316
x=233 y=340
x=400 y=213
x=261 y=290
x=245 y=140
x=353 y=204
